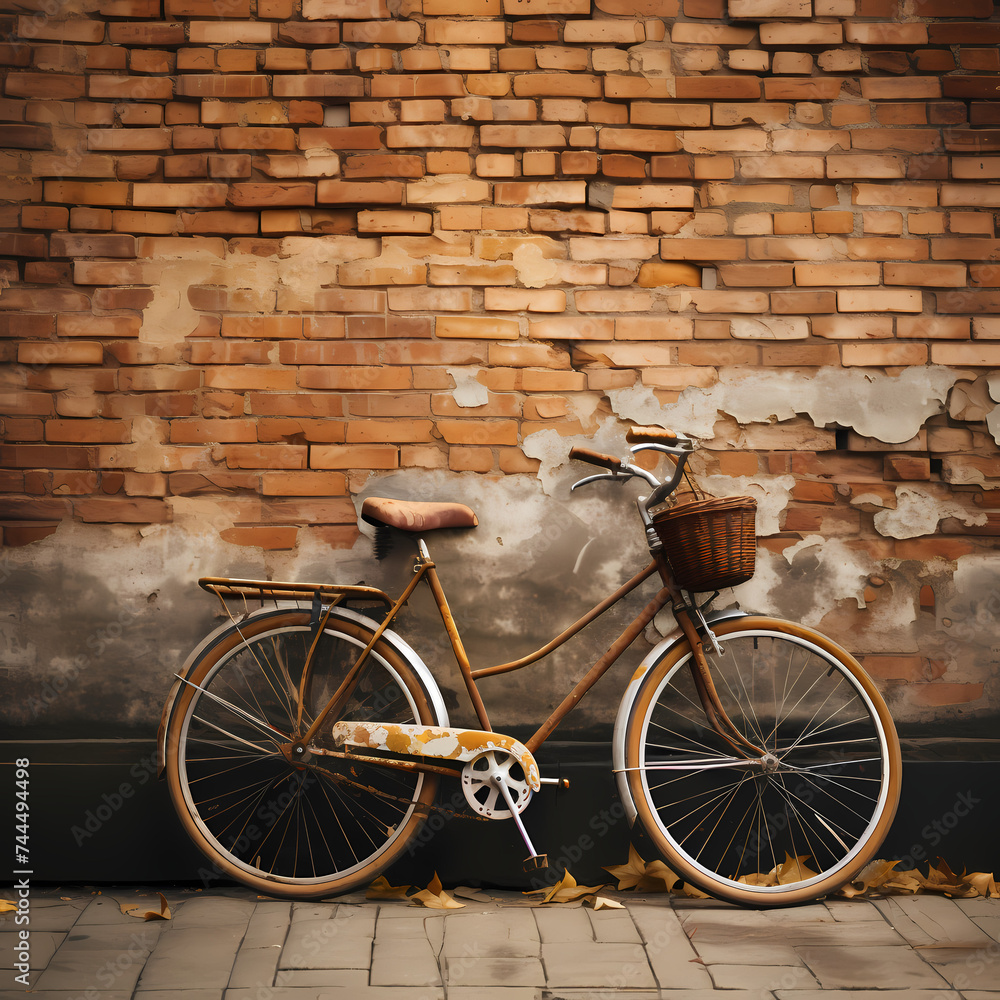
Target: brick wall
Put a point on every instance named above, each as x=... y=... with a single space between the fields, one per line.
x=254 y=251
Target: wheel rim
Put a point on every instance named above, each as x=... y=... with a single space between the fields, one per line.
x=267 y=816
x=819 y=791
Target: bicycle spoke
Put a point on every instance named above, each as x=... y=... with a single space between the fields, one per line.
x=321 y=824
x=816 y=793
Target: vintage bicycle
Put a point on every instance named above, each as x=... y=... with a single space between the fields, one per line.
x=304 y=742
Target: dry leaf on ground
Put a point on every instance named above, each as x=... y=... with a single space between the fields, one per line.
x=603 y=903
x=565 y=890
x=143 y=912
x=435 y=897
x=380 y=889
x=7 y=905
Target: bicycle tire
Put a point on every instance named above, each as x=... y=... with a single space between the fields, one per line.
x=300 y=831
x=828 y=792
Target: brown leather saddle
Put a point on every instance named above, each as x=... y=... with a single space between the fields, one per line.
x=413 y=515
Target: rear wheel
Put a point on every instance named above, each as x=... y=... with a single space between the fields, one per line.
x=809 y=810
x=297 y=827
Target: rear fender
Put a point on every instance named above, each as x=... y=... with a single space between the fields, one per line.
x=398 y=645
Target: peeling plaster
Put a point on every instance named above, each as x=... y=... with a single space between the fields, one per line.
x=833 y=572
x=468 y=391
x=993 y=417
x=889 y=408
x=534 y=270
x=771 y=492
x=917 y=512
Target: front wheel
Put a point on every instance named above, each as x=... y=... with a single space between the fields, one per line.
x=296 y=827
x=809 y=810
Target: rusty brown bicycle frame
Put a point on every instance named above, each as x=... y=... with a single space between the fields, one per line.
x=669 y=593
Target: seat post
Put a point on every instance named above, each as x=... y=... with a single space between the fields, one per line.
x=453 y=636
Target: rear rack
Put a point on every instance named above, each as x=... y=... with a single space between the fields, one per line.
x=263 y=590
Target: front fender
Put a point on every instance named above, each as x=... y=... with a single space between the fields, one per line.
x=397 y=644
x=655 y=656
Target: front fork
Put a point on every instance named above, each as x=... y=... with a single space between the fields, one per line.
x=696 y=636
x=716 y=715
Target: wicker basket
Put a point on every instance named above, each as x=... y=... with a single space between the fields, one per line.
x=710 y=544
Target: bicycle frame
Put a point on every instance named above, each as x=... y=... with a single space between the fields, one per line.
x=425 y=569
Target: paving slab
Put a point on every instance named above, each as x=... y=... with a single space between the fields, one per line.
x=614 y=966
x=499 y=948
x=867 y=995
x=762 y=977
x=670 y=953
x=614 y=926
x=332 y=992
x=100 y=957
x=940 y=920
x=860 y=968
x=404 y=962
x=491 y=970
x=43 y=948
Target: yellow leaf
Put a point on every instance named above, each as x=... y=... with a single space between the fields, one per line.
x=6 y=906
x=143 y=913
x=435 y=897
x=603 y=903
x=631 y=873
x=435 y=901
x=984 y=884
x=566 y=890
x=380 y=889
x=793 y=870
x=759 y=878
x=873 y=876
x=658 y=878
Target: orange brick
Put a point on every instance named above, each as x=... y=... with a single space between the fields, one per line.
x=49 y=353
x=884 y=355
x=470 y=459
x=268 y=537
x=353 y=456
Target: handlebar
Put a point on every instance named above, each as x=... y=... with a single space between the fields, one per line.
x=596 y=458
x=678 y=446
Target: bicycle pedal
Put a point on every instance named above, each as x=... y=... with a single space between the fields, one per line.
x=536 y=863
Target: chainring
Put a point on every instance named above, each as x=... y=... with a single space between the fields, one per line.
x=482 y=778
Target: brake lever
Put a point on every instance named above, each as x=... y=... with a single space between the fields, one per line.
x=615 y=477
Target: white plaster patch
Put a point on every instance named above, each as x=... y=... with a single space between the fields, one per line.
x=468 y=391
x=919 y=513
x=771 y=492
x=534 y=270
x=993 y=417
x=841 y=574
x=889 y=408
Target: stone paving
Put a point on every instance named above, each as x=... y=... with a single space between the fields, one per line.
x=231 y=944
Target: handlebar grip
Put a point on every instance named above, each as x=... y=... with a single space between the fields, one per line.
x=651 y=435
x=596 y=458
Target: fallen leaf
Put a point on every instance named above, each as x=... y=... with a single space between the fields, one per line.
x=984 y=884
x=603 y=903
x=140 y=910
x=793 y=870
x=874 y=875
x=380 y=889
x=565 y=890
x=7 y=905
x=630 y=874
x=435 y=897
